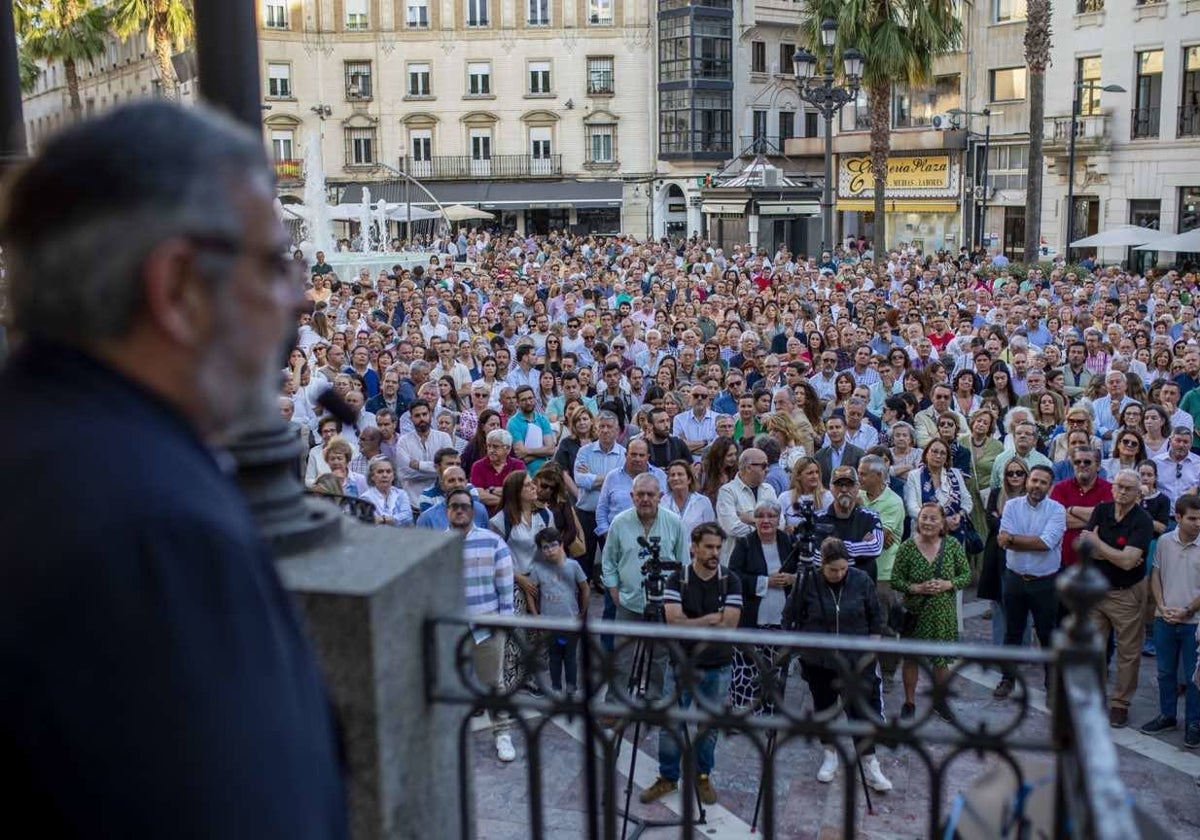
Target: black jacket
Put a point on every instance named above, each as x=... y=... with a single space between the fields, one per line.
x=747 y=562
x=824 y=457
x=813 y=608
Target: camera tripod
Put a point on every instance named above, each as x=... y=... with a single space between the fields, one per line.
x=638 y=687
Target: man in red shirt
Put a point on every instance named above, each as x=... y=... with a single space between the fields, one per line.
x=940 y=336
x=1079 y=495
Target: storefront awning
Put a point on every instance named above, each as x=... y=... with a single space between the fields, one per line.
x=530 y=195
x=788 y=208
x=723 y=208
x=898 y=206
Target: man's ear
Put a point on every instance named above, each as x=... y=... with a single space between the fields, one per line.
x=176 y=301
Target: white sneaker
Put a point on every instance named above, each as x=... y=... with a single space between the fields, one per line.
x=504 y=748
x=829 y=766
x=874 y=775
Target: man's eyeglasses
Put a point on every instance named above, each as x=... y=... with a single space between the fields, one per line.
x=459 y=506
x=551 y=544
x=1087 y=462
x=762 y=464
x=281 y=265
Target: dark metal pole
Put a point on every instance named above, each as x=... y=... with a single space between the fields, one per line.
x=829 y=112
x=12 y=121
x=227 y=56
x=1071 y=173
x=987 y=142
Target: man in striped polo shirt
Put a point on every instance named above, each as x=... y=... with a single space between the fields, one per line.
x=488 y=576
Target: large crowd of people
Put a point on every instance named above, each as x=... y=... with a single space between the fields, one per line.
x=946 y=420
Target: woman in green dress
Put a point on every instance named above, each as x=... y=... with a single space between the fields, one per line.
x=984 y=448
x=930 y=567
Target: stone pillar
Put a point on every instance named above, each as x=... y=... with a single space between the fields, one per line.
x=363 y=601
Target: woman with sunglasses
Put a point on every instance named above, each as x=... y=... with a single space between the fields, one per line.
x=991 y=573
x=1128 y=452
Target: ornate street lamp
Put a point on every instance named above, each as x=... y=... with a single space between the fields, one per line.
x=828 y=98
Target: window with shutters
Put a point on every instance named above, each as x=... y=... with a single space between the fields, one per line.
x=479 y=78
x=539 y=77
x=419 y=80
x=356 y=15
x=358 y=80
x=600 y=76
x=279 y=80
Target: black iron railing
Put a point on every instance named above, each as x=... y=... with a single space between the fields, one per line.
x=1092 y=801
x=1144 y=122
x=466 y=167
x=1189 y=121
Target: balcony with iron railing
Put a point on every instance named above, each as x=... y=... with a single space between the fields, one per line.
x=1144 y=122
x=1093 y=132
x=1189 y=121
x=467 y=167
x=289 y=171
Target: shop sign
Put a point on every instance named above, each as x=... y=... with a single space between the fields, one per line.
x=908 y=176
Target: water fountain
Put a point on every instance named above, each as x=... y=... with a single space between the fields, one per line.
x=374 y=239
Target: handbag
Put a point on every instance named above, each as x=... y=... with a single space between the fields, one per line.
x=578 y=546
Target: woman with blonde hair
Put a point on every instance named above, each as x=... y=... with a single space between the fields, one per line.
x=804 y=486
x=1079 y=418
x=782 y=427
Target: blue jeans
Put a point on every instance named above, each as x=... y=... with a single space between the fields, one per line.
x=713 y=685
x=1173 y=642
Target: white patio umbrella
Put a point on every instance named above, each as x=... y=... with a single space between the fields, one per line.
x=1180 y=243
x=461 y=212
x=400 y=213
x=1122 y=236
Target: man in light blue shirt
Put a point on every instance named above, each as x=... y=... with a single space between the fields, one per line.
x=571 y=389
x=1031 y=532
x=1107 y=410
x=698 y=427
x=524 y=373
x=621 y=567
x=615 y=496
x=533 y=436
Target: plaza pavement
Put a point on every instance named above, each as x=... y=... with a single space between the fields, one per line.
x=1159 y=773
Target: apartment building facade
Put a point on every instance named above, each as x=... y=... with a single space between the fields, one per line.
x=532 y=109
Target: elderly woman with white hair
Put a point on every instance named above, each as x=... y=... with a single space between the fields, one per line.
x=392 y=506
x=489 y=472
x=766 y=568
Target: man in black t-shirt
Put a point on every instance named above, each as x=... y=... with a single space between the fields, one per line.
x=701 y=595
x=1119 y=534
x=664 y=446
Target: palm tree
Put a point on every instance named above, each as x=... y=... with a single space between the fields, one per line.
x=899 y=40
x=1037 y=58
x=69 y=31
x=28 y=69
x=168 y=24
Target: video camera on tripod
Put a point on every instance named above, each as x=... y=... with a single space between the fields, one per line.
x=654 y=575
x=806 y=540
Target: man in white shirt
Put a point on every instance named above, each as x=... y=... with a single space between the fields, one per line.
x=415 y=451
x=698 y=427
x=737 y=499
x=448 y=366
x=1031 y=532
x=1178 y=466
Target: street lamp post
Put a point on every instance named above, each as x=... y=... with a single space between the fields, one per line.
x=1079 y=86
x=828 y=98
x=979 y=213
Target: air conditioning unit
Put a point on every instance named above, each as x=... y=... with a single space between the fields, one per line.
x=770 y=177
x=943 y=122
x=353 y=92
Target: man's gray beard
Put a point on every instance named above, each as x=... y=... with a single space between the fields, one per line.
x=235 y=408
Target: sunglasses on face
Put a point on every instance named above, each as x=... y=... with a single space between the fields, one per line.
x=1014 y=473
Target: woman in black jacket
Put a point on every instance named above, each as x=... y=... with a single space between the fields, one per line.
x=840 y=599
x=764 y=564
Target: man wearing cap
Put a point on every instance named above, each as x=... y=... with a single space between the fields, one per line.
x=858 y=527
